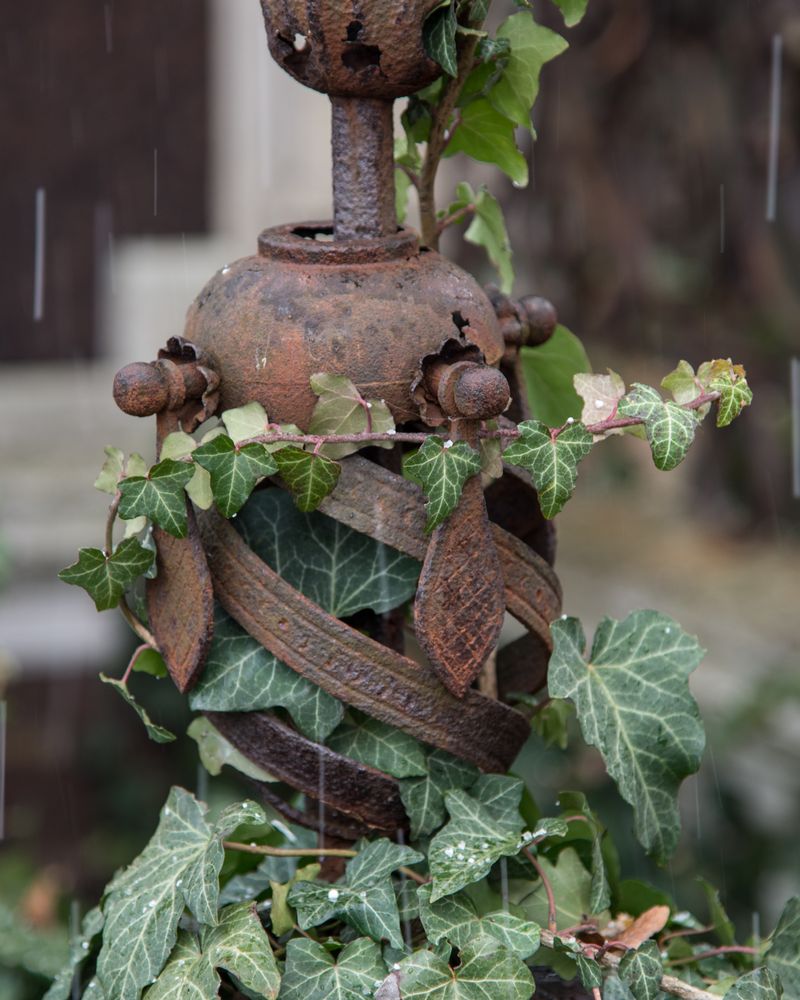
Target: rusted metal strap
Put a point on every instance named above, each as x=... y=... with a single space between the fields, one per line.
x=369 y=796
x=349 y=665
x=387 y=507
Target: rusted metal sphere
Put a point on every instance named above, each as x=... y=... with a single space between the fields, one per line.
x=481 y=393
x=348 y=48
x=368 y=309
x=541 y=318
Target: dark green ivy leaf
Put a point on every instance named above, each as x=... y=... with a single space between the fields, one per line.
x=783 y=957
x=234 y=470
x=156 y=733
x=552 y=460
x=80 y=949
x=589 y=971
x=423 y=798
x=441 y=468
x=439 y=37
x=631 y=695
x=160 y=496
x=310 y=477
x=481 y=974
x=104 y=577
x=669 y=428
x=735 y=394
x=378 y=745
x=642 y=971
x=760 y=984
x=312 y=972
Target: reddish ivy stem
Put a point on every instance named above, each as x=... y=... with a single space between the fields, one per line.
x=552 y=924
x=614 y=422
x=727 y=949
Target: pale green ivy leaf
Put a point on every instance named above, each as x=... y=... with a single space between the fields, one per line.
x=572 y=887
x=442 y=468
x=633 y=703
x=215 y=751
x=341 y=409
x=245 y=422
x=309 y=477
x=682 y=383
x=552 y=460
x=281 y=915
x=111 y=472
x=532 y=45
x=179 y=445
x=487 y=135
x=601 y=395
x=572 y=10
x=80 y=949
x=576 y=804
x=669 y=428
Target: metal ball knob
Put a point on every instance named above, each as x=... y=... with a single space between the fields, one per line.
x=540 y=317
x=141 y=389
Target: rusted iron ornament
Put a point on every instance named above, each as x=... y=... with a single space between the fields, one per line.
x=361 y=298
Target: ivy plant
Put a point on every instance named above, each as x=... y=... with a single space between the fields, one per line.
x=486 y=890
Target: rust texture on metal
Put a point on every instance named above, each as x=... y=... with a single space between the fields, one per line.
x=513 y=503
x=368 y=309
x=363 y=176
x=460 y=602
x=363 y=793
x=351 y=666
x=522 y=666
x=180 y=604
x=349 y=48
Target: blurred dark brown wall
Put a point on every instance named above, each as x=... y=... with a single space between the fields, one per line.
x=92 y=93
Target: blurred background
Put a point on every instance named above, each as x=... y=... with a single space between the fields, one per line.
x=145 y=145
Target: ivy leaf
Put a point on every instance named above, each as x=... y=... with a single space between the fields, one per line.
x=366 y=901
x=575 y=803
x=487 y=135
x=760 y=984
x=549 y=370
x=159 y=496
x=532 y=45
x=783 y=956
x=551 y=460
x=105 y=578
x=631 y=697
x=156 y=733
x=280 y=914
x=488 y=230
x=179 y=867
x=341 y=409
x=571 y=884
x=312 y=973
x=439 y=37
x=215 y=751
x=180 y=445
x=336 y=567
x=111 y=472
x=642 y=970
x=600 y=395
x=441 y=468
x=241 y=676
x=310 y=477
x=372 y=742
x=456 y=919
x=572 y=10
x=80 y=948
x=234 y=470
x=480 y=974
x=423 y=798
x=735 y=394
x=147 y=660
x=551 y=722
x=682 y=383
x=245 y=422
x=237 y=944
x=723 y=925
x=669 y=428
x=615 y=989
x=589 y=971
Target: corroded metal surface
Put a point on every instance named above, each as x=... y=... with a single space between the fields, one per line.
x=363 y=181
x=351 y=48
x=365 y=308
x=180 y=604
x=369 y=796
x=351 y=666
x=460 y=603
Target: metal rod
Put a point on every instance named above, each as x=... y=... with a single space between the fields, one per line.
x=363 y=168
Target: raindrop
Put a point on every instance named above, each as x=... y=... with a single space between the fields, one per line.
x=504 y=882
x=722 y=218
x=774 y=127
x=333 y=895
x=155 y=182
x=795 y=407
x=109 y=23
x=38 y=256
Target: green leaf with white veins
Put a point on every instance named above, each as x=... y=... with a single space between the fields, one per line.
x=80 y=948
x=310 y=477
x=735 y=394
x=179 y=868
x=338 y=568
x=341 y=409
x=160 y=496
x=441 y=468
x=456 y=919
x=487 y=135
x=633 y=703
x=366 y=901
x=104 y=577
x=479 y=976
x=552 y=460
x=234 y=470
x=423 y=798
x=669 y=428
x=783 y=956
x=386 y=748
x=241 y=676
x=237 y=944
x=532 y=45
x=312 y=972
x=642 y=970
x=760 y=984
x=156 y=733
